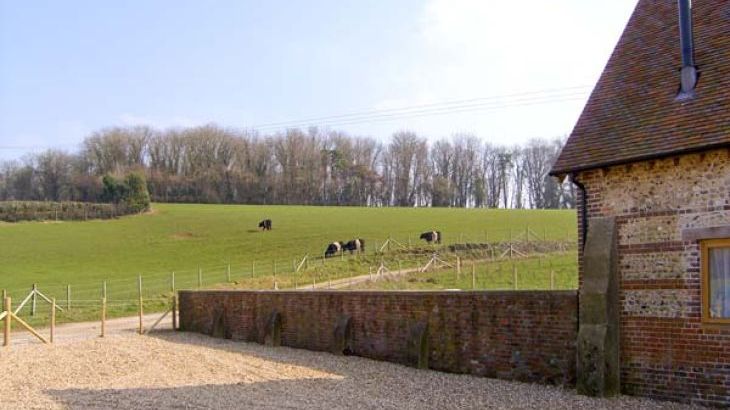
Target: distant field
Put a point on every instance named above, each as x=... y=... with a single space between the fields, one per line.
x=182 y=238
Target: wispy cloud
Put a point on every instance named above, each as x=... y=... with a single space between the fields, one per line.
x=129 y=119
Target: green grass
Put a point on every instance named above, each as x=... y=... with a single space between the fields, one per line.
x=552 y=271
x=182 y=238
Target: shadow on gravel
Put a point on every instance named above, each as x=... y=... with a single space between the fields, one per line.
x=338 y=365
x=258 y=395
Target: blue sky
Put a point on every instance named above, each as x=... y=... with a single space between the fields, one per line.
x=68 y=68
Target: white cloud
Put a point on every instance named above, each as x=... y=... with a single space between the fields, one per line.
x=480 y=48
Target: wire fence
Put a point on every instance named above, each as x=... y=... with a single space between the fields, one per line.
x=389 y=263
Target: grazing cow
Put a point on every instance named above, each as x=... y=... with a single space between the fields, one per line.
x=355 y=245
x=333 y=249
x=433 y=236
x=265 y=224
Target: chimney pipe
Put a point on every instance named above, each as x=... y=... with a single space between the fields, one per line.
x=688 y=73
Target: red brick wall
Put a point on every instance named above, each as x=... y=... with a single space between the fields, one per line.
x=666 y=351
x=527 y=335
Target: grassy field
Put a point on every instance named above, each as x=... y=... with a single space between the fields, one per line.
x=553 y=271
x=201 y=241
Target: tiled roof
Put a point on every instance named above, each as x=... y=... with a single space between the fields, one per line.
x=633 y=113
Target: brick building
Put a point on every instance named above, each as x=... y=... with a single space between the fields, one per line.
x=650 y=155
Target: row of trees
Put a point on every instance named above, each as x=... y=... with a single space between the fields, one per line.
x=218 y=165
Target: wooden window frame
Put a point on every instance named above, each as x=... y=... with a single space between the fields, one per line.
x=705 y=246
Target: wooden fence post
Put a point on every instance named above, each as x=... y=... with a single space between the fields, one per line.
x=253 y=269
x=174 y=312
x=68 y=297
x=103 y=289
x=141 y=309
x=53 y=319
x=172 y=281
x=34 y=299
x=552 y=279
x=473 y=276
x=458 y=268
x=103 y=316
x=8 y=319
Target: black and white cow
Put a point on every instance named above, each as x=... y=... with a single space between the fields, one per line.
x=433 y=236
x=333 y=249
x=265 y=224
x=355 y=245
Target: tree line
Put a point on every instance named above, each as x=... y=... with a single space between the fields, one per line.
x=212 y=164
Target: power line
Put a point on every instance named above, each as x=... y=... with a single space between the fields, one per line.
x=439 y=111
x=445 y=104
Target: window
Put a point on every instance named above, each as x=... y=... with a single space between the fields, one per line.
x=716 y=280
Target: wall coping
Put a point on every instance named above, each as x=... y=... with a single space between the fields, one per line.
x=571 y=292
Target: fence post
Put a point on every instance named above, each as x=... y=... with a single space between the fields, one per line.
x=5 y=294
x=473 y=276
x=103 y=317
x=200 y=277
x=34 y=299
x=253 y=269
x=8 y=316
x=228 y=273
x=53 y=319
x=552 y=279
x=370 y=273
x=103 y=289
x=172 y=281
x=458 y=267
x=68 y=297
x=141 y=309
x=174 y=311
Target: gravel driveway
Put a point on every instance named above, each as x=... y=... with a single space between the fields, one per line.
x=176 y=370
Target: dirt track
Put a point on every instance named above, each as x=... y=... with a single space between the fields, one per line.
x=168 y=369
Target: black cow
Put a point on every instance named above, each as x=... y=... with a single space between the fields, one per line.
x=333 y=249
x=355 y=245
x=433 y=236
x=265 y=224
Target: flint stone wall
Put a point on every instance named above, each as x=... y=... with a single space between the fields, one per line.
x=666 y=352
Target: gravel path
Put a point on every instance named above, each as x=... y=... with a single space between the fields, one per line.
x=73 y=332
x=177 y=370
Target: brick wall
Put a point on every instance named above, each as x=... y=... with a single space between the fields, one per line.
x=666 y=352
x=527 y=335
